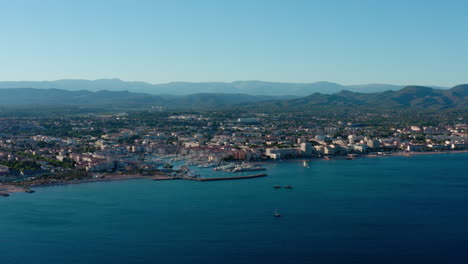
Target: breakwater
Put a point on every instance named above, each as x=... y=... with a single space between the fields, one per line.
x=230 y=178
x=213 y=179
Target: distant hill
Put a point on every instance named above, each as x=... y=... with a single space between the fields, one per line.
x=124 y=99
x=32 y=96
x=186 y=88
x=373 y=88
x=418 y=97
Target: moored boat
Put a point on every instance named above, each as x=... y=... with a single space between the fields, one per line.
x=247 y=167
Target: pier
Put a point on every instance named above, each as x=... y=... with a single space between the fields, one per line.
x=230 y=178
x=213 y=179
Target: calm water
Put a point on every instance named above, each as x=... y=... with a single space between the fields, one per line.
x=385 y=210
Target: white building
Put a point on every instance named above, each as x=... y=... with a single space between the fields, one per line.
x=282 y=153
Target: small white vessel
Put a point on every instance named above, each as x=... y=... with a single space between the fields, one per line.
x=276 y=214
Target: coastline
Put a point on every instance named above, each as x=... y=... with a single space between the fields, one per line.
x=410 y=154
x=7 y=189
x=391 y=154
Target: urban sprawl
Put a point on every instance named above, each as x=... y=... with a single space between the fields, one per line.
x=40 y=150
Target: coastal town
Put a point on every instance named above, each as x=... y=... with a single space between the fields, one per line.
x=37 y=151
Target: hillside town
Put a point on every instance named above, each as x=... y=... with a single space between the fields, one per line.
x=52 y=149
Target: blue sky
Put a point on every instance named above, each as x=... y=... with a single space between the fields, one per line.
x=349 y=42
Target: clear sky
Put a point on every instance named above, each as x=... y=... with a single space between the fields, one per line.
x=350 y=42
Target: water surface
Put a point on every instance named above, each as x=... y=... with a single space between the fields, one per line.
x=381 y=210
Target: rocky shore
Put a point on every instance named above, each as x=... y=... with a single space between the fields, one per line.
x=6 y=189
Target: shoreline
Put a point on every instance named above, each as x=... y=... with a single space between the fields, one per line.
x=390 y=154
x=412 y=153
x=7 y=189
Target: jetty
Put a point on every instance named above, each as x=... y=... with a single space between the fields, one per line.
x=213 y=179
x=230 y=178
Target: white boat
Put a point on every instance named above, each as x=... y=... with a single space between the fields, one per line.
x=228 y=167
x=192 y=174
x=206 y=165
x=276 y=214
x=247 y=167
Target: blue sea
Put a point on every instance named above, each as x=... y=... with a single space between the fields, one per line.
x=375 y=210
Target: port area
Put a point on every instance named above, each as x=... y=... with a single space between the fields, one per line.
x=214 y=178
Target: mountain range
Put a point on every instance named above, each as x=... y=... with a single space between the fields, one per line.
x=186 y=88
x=417 y=97
x=409 y=97
x=123 y=99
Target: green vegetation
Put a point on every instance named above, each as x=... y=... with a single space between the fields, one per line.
x=128 y=140
x=20 y=165
x=51 y=161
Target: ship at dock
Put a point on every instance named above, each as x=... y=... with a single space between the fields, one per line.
x=247 y=167
x=244 y=167
x=228 y=167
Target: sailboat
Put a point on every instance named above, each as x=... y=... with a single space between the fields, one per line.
x=276 y=214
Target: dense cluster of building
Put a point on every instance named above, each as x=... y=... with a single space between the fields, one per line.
x=31 y=151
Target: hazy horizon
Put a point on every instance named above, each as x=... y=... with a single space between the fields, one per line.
x=233 y=81
x=416 y=42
